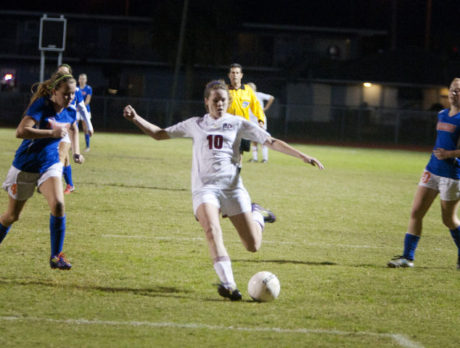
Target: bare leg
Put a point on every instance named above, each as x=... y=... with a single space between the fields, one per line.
x=423 y=199
x=449 y=214
x=10 y=216
x=250 y=232
x=12 y=212
x=208 y=217
x=64 y=153
x=53 y=193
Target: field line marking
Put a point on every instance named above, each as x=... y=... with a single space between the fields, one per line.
x=401 y=340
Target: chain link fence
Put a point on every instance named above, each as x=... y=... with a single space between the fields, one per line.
x=308 y=123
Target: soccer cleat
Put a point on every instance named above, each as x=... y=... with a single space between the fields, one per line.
x=87 y=149
x=69 y=189
x=59 y=261
x=267 y=214
x=252 y=160
x=232 y=294
x=400 y=261
x=264 y=161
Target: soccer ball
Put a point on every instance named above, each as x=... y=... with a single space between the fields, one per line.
x=264 y=287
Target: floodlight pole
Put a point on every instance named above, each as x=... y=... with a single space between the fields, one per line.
x=178 y=63
x=42 y=65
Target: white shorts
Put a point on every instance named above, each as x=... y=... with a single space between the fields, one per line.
x=449 y=189
x=21 y=185
x=230 y=202
x=81 y=118
x=66 y=139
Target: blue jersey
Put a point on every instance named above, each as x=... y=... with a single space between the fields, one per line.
x=448 y=133
x=37 y=155
x=78 y=97
x=87 y=90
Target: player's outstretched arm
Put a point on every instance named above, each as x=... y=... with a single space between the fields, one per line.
x=75 y=141
x=81 y=107
x=148 y=128
x=283 y=147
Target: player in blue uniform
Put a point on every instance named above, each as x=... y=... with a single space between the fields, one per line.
x=78 y=103
x=441 y=176
x=46 y=121
x=87 y=93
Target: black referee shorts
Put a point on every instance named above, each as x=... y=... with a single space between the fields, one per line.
x=245 y=145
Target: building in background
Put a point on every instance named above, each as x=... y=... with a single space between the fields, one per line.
x=323 y=76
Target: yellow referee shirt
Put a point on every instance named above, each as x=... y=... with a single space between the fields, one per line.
x=243 y=100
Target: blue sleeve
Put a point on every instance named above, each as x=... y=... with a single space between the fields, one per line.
x=90 y=90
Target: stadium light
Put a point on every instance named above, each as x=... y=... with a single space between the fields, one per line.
x=8 y=77
x=367 y=84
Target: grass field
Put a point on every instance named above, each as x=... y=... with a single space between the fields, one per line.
x=142 y=276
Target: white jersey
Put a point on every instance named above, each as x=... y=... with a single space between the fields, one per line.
x=263 y=98
x=216 y=148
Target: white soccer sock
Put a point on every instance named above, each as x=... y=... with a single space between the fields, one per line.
x=264 y=153
x=223 y=268
x=254 y=152
x=258 y=217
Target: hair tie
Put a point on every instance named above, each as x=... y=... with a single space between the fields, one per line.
x=53 y=85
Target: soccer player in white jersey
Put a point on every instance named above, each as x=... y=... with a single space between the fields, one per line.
x=216 y=183
x=266 y=101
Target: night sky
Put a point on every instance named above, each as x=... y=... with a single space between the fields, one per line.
x=410 y=15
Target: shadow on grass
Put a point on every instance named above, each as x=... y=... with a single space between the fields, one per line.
x=295 y=262
x=155 y=291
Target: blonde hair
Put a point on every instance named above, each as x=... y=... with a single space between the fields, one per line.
x=46 y=88
x=455 y=79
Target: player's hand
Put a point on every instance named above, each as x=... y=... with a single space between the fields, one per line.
x=129 y=113
x=442 y=154
x=313 y=161
x=78 y=158
x=261 y=124
x=59 y=132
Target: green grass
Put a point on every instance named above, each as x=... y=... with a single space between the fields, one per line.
x=142 y=275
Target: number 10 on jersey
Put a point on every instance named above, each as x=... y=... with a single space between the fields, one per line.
x=215 y=141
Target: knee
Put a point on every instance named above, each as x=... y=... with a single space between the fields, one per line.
x=449 y=221
x=416 y=214
x=212 y=233
x=9 y=218
x=58 y=208
x=253 y=246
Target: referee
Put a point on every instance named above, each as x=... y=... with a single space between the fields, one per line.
x=243 y=99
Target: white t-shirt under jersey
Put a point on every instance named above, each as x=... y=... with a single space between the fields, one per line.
x=216 y=148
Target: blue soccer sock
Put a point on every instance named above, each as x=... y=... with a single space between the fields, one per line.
x=456 y=237
x=87 y=140
x=410 y=244
x=67 y=171
x=57 y=233
x=3 y=232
